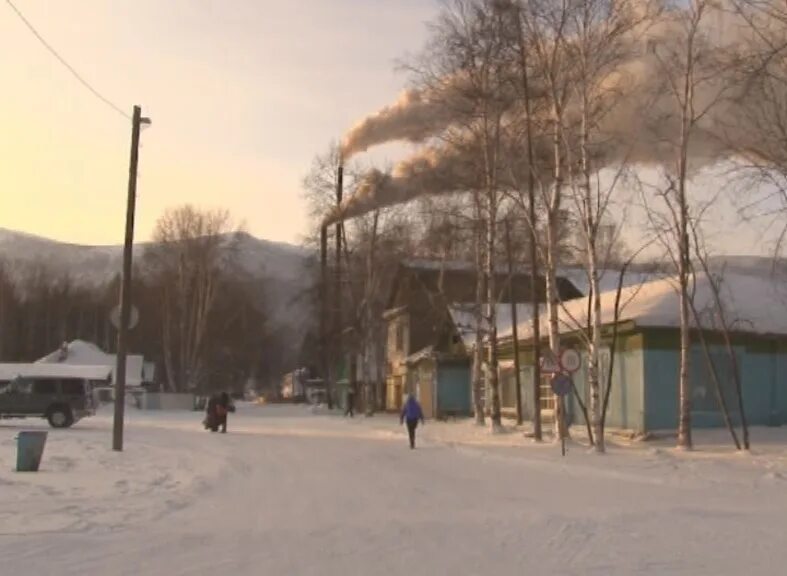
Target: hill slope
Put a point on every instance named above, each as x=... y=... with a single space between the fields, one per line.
x=283 y=268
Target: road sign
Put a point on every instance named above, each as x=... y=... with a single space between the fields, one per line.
x=548 y=363
x=561 y=384
x=570 y=360
x=114 y=317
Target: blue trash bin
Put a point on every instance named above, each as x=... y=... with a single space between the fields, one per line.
x=29 y=450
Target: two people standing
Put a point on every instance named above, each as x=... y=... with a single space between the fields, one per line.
x=411 y=414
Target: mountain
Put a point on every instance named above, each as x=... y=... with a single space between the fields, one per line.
x=283 y=268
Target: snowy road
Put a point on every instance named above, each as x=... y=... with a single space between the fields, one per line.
x=287 y=492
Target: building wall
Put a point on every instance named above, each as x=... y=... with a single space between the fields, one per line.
x=423 y=376
x=626 y=400
x=167 y=401
x=453 y=394
x=761 y=367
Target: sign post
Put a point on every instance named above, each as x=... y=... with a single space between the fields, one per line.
x=561 y=386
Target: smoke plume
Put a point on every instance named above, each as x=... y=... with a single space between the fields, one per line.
x=640 y=126
x=415 y=116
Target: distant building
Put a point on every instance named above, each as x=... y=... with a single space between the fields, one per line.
x=81 y=353
x=430 y=326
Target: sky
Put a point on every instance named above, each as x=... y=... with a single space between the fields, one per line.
x=242 y=95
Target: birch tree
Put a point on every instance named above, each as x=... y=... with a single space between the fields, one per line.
x=470 y=42
x=691 y=78
x=191 y=251
x=601 y=40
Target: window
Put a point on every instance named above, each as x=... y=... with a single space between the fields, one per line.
x=73 y=387
x=400 y=336
x=548 y=398
x=45 y=387
x=21 y=386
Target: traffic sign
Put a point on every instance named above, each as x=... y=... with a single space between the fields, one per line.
x=114 y=317
x=548 y=363
x=570 y=360
x=561 y=384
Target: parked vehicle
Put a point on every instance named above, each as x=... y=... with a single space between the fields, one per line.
x=61 y=400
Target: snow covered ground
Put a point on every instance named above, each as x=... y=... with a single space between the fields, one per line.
x=292 y=492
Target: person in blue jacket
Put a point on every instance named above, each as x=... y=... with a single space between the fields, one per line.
x=411 y=413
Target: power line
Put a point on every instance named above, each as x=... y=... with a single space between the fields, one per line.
x=68 y=66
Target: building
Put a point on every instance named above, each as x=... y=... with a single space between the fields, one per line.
x=644 y=388
x=81 y=353
x=429 y=323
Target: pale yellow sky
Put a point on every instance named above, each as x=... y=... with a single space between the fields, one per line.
x=242 y=94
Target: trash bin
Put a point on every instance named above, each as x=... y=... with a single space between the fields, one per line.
x=29 y=450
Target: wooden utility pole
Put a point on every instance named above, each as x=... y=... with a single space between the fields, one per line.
x=514 y=324
x=324 y=352
x=125 y=288
x=337 y=292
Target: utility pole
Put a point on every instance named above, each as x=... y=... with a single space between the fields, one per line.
x=324 y=353
x=337 y=290
x=125 y=288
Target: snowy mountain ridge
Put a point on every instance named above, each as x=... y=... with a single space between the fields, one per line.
x=283 y=268
x=98 y=264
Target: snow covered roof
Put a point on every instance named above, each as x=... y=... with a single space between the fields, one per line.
x=463 y=317
x=752 y=304
x=457 y=266
x=608 y=278
x=41 y=370
x=81 y=353
x=420 y=355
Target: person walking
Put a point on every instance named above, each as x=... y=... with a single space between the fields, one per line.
x=211 y=413
x=412 y=414
x=223 y=407
x=350 y=402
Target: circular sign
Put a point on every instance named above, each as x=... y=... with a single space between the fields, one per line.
x=570 y=360
x=114 y=317
x=561 y=384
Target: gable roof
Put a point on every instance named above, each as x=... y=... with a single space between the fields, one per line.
x=35 y=370
x=464 y=319
x=81 y=353
x=456 y=281
x=753 y=304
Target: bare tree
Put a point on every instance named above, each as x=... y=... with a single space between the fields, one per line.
x=192 y=251
x=601 y=41
x=691 y=74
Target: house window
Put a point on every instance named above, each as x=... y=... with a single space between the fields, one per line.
x=548 y=398
x=400 y=336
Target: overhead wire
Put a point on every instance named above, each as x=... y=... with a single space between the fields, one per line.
x=68 y=66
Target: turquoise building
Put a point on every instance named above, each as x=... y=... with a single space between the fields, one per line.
x=644 y=390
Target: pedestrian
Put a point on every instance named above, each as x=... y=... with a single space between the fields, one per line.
x=350 y=402
x=223 y=407
x=411 y=413
x=211 y=413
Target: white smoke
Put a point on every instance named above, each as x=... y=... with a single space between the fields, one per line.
x=415 y=116
x=640 y=126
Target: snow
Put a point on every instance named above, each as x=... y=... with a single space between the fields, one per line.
x=752 y=304
x=608 y=278
x=463 y=317
x=290 y=492
x=10 y=371
x=81 y=353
